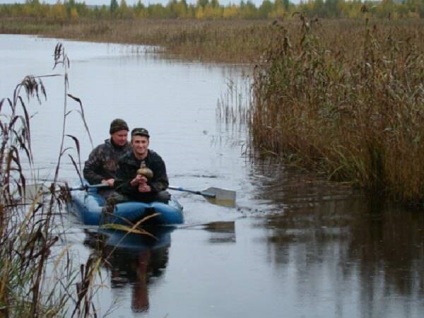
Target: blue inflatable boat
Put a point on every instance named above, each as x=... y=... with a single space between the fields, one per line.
x=89 y=206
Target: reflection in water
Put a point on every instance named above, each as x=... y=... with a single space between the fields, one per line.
x=349 y=243
x=132 y=259
x=388 y=244
x=219 y=231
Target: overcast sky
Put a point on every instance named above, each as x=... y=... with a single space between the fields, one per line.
x=132 y=2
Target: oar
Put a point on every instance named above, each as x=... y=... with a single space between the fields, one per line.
x=213 y=195
x=90 y=186
x=35 y=191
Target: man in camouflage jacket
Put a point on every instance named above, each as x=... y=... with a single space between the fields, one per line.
x=103 y=160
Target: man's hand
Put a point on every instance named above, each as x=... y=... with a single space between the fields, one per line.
x=144 y=188
x=109 y=182
x=138 y=180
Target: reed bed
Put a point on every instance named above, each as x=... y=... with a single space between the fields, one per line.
x=224 y=41
x=37 y=275
x=229 y=41
x=345 y=99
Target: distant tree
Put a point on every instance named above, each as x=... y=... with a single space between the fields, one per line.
x=178 y=9
x=123 y=5
x=73 y=15
x=331 y=8
x=140 y=4
x=248 y=10
x=124 y=12
x=279 y=9
x=318 y=8
x=140 y=10
x=214 y=4
x=114 y=5
x=156 y=11
x=202 y=3
x=56 y=13
x=231 y=11
x=386 y=9
x=213 y=12
x=265 y=9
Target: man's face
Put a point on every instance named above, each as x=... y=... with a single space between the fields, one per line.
x=140 y=144
x=120 y=137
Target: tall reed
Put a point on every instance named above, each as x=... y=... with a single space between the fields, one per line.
x=37 y=278
x=345 y=100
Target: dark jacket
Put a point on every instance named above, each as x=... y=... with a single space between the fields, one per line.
x=103 y=161
x=127 y=170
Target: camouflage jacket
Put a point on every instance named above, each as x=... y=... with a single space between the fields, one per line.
x=128 y=166
x=103 y=162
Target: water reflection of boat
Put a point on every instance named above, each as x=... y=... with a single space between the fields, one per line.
x=132 y=259
x=89 y=206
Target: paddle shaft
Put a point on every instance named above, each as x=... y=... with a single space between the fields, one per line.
x=212 y=195
x=88 y=186
x=205 y=194
x=102 y=185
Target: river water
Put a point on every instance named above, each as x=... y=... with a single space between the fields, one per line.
x=300 y=246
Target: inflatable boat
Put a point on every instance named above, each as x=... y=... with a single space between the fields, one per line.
x=89 y=207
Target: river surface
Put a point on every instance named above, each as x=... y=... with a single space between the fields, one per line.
x=300 y=246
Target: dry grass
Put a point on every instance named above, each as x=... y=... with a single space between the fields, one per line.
x=37 y=278
x=237 y=41
x=346 y=99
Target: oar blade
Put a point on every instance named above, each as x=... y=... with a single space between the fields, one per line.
x=220 y=196
x=213 y=195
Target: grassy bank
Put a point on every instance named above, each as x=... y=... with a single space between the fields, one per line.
x=238 y=41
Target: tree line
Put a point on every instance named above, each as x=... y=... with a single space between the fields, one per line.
x=72 y=11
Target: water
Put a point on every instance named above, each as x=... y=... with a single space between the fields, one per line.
x=301 y=247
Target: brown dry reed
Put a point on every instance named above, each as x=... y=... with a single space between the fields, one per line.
x=234 y=41
x=37 y=277
x=345 y=98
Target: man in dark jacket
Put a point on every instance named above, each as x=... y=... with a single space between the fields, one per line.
x=132 y=181
x=103 y=160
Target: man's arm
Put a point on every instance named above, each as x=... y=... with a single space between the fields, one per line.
x=160 y=181
x=124 y=176
x=92 y=167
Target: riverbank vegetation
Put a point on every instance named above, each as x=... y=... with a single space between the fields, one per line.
x=205 y=31
x=38 y=277
x=72 y=11
x=346 y=101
